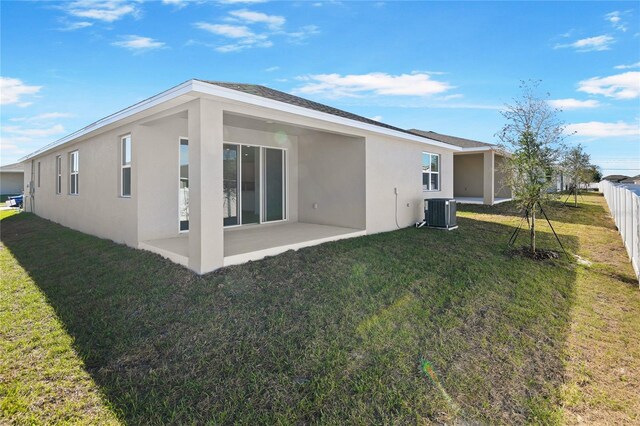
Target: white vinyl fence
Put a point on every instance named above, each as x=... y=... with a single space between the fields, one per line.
x=624 y=204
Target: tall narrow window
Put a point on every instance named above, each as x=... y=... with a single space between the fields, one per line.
x=183 y=194
x=430 y=172
x=38 y=174
x=125 y=166
x=58 y=174
x=74 y=172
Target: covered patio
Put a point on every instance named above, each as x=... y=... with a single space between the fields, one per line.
x=262 y=184
x=479 y=177
x=255 y=242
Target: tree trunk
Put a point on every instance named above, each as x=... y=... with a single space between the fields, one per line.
x=533 y=230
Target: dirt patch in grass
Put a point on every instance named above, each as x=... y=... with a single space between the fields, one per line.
x=539 y=254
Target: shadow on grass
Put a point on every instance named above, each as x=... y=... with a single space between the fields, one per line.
x=333 y=333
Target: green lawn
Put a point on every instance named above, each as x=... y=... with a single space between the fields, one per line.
x=96 y=332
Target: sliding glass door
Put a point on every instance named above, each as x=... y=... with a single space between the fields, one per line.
x=230 y=180
x=254 y=187
x=250 y=184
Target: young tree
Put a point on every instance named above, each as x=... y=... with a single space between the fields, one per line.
x=594 y=173
x=576 y=165
x=534 y=134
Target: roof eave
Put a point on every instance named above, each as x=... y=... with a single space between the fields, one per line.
x=199 y=86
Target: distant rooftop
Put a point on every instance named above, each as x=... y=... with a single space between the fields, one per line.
x=13 y=168
x=615 y=178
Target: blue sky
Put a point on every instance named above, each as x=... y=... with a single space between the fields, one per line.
x=448 y=67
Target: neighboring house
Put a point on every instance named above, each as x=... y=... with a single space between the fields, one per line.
x=615 y=178
x=634 y=180
x=211 y=174
x=478 y=177
x=11 y=180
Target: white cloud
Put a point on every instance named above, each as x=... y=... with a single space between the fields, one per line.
x=231 y=31
x=601 y=129
x=34 y=132
x=178 y=4
x=590 y=44
x=626 y=67
x=272 y=69
x=139 y=43
x=615 y=18
x=376 y=83
x=376 y=118
x=243 y=36
x=13 y=89
x=274 y=22
x=107 y=10
x=619 y=86
x=247 y=29
x=72 y=26
x=571 y=103
x=42 y=117
x=303 y=33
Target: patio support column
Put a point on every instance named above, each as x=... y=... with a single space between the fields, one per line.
x=206 y=238
x=489 y=171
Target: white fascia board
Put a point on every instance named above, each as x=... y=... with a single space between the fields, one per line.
x=223 y=92
x=141 y=106
x=477 y=149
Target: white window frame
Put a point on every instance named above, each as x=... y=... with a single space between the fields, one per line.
x=124 y=166
x=430 y=172
x=262 y=171
x=58 y=174
x=74 y=174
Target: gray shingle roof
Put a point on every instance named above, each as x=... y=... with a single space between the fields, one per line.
x=276 y=95
x=14 y=168
x=452 y=140
x=615 y=178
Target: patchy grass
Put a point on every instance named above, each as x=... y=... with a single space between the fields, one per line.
x=329 y=334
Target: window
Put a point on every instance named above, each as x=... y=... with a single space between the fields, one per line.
x=58 y=174
x=38 y=174
x=125 y=166
x=74 y=163
x=183 y=188
x=430 y=172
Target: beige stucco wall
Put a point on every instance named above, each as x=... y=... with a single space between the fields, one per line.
x=397 y=164
x=502 y=191
x=332 y=180
x=156 y=149
x=468 y=177
x=11 y=183
x=97 y=209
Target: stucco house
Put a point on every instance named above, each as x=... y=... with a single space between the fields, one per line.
x=11 y=180
x=478 y=177
x=211 y=174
